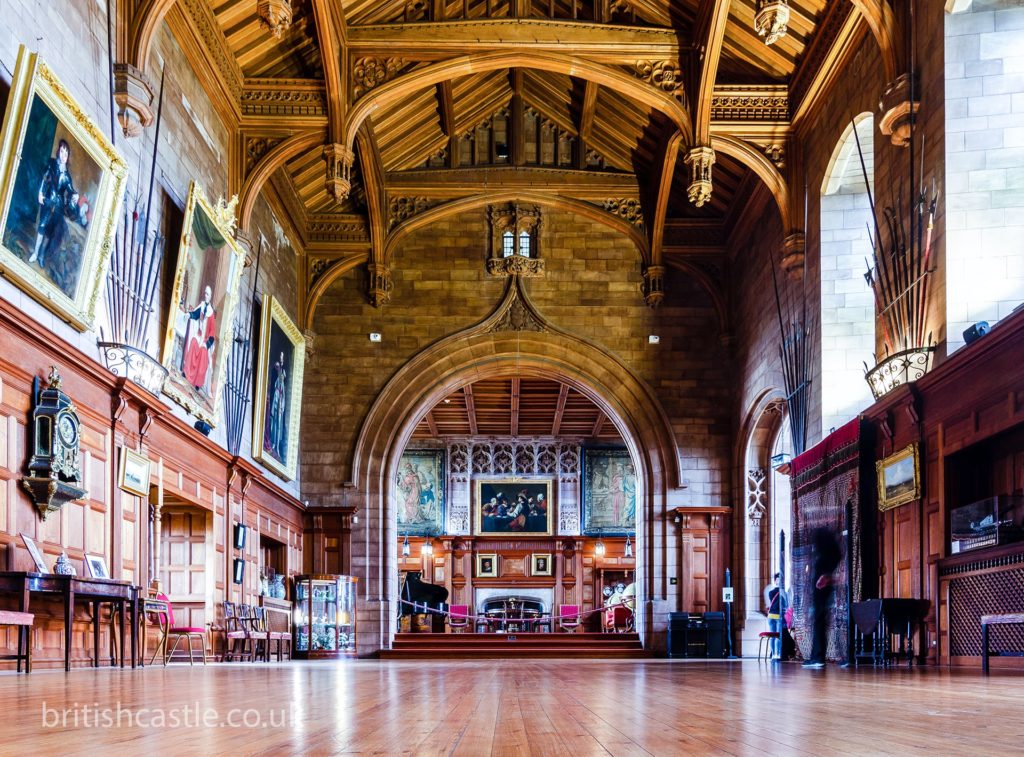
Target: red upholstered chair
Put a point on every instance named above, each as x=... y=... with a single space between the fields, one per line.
x=568 y=618
x=622 y=619
x=458 y=618
x=182 y=632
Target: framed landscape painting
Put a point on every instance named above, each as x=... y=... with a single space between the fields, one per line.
x=513 y=506
x=203 y=299
x=276 y=416
x=420 y=493
x=609 y=492
x=899 y=478
x=61 y=185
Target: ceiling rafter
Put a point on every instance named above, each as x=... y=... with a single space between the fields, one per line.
x=712 y=20
x=514 y=408
x=446 y=107
x=556 y=423
x=598 y=424
x=467 y=392
x=431 y=423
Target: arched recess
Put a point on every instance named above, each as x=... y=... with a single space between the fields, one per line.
x=766 y=171
x=752 y=528
x=407 y=227
x=713 y=289
x=335 y=271
x=145 y=22
x=882 y=22
x=847 y=302
x=484 y=352
x=428 y=76
x=274 y=159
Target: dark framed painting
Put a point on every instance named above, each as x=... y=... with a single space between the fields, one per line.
x=203 y=301
x=609 y=492
x=899 y=478
x=278 y=407
x=420 y=493
x=513 y=506
x=61 y=185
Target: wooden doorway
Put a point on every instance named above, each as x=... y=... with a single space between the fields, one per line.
x=187 y=569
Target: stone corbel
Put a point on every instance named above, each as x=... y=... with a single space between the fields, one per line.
x=275 y=16
x=654 y=285
x=771 y=20
x=898 y=112
x=245 y=242
x=381 y=284
x=792 y=262
x=340 y=160
x=700 y=160
x=309 y=336
x=133 y=94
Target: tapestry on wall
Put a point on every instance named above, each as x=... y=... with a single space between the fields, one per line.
x=827 y=486
x=420 y=493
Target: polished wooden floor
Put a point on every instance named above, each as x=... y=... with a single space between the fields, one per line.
x=511 y=707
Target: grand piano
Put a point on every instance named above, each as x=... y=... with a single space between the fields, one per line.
x=421 y=597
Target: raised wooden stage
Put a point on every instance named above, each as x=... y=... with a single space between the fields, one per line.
x=427 y=646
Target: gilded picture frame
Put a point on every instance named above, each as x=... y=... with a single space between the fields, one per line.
x=541 y=564
x=419 y=494
x=278 y=408
x=133 y=472
x=204 y=296
x=61 y=187
x=899 y=478
x=515 y=506
x=487 y=565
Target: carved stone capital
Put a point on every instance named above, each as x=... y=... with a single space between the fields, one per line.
x=381 y=284
x=340 y=160
x=897 y=111
x=515 y=265
x=133 y=94
x=792 y=262
x=275 y=16
x=700 y=159
x=654 y=285
x=771 y=20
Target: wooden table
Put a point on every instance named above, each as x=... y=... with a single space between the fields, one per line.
x=992 y=620
x=71 y=588
x=882 y=618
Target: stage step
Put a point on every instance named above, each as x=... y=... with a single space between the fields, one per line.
x=484 y=645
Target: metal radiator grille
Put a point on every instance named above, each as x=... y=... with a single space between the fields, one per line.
x=973 y=596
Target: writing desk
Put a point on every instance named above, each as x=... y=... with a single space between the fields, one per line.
x=78 y=588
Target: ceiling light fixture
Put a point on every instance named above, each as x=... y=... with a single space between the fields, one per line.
x=599 y=549
x=629 y=547
x=406 y=549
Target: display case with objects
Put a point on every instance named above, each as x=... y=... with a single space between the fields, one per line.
x=986 y=523
x=325 y=616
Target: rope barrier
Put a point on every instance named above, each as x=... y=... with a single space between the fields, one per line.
x=422 y=608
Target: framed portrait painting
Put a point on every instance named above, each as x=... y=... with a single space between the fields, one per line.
x=540 y=564
x=609 y=492
x=203 y=299
x=487 y=565
x=513 y=506
x=899 y=478
x=61 y=185
x=420 y=493
x=277 y=412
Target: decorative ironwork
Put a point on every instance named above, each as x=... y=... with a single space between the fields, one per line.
x=238 y=377
x=771 y=20
x=700 y=160
x=134 y=364
x=661 y=74
x=896 y=370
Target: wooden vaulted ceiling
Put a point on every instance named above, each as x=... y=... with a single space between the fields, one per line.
x=335 y=52
x=517 y=407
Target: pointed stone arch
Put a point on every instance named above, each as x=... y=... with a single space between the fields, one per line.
x=515 y=340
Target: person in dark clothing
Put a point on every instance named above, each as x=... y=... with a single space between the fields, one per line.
x=826 y=556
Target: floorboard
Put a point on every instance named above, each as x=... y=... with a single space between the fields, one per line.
x=514 y=707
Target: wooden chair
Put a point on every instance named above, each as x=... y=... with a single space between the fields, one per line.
x=23 y=621
x=458 y=618
x=182 y=632
x=237 y=640
x=261 y=627
x=568 y=618
x=257 y=632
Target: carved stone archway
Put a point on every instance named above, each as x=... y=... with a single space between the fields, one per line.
x=514 y=341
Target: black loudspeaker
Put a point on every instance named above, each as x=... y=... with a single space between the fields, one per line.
x=977 y=331
x=714 y=624
x=241 y=532
x=238 y=570
x=678 y=623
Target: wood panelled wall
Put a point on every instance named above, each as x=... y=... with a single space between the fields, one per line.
x=198 y=490
x=971 y=398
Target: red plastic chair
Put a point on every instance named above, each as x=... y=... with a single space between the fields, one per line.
x=568 y=618
x=458 y=617
x=182 y=632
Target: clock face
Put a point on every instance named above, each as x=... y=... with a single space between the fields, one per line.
x=68 y=430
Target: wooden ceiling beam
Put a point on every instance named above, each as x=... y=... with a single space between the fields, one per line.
x=608 y=42
x=330 y=29
x=598 y=424
x=514 y=408
x=431 y=423
x=587 y=108
x=372 y=172
x=712 y=20
x=446 y=107
x=556 y=423
x=467 y=392
x=461 y=182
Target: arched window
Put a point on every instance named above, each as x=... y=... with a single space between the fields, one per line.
x=508 y=244
x=847 y=303
x=524 y=243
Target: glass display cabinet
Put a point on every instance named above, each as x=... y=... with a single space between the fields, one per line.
x=325 y=616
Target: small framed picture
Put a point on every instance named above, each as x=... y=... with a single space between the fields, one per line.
x=540 y=565
x=133 y=473
x=97 y=566
x=37 y=556
x=899 y=478
x=487 y=566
